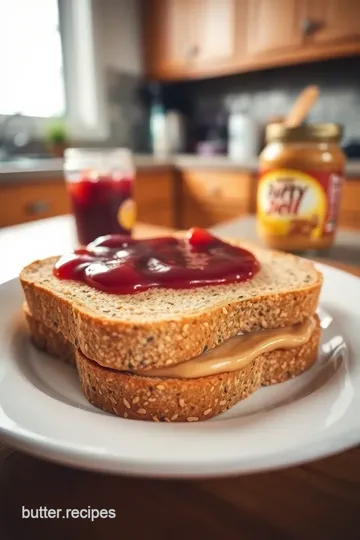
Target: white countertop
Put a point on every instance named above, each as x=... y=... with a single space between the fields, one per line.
x=22 y=244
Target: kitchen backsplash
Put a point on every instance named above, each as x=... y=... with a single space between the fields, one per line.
x=126 y=111
x=205 y=102
x=271 y=93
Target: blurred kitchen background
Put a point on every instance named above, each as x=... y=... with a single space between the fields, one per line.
x=188 y=85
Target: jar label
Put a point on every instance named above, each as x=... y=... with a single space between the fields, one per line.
x=293 y=202
x=126 y=214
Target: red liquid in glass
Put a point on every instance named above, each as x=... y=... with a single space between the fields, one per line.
x=116 y=264
x=95 y=205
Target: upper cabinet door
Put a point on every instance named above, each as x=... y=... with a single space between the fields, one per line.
x=332 y=20
x=273 y=25
x=188 y=38
x=198 y=38
x=167 y=35
x=213 y=26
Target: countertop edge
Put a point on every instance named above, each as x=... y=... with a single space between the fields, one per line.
x=54 y=167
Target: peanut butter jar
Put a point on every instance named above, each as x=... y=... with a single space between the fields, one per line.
x=300 y=183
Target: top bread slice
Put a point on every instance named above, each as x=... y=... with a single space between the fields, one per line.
x=161 y=327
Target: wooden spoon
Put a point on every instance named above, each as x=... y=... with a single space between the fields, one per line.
x=302 y=106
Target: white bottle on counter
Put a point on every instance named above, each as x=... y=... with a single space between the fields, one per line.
x=158 y=131
x=244 y=137
x=244 y=133
x=175 y=132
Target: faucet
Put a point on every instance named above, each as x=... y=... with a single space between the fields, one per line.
x=10 y=142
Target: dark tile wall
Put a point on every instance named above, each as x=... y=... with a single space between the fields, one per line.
x=127 y=114
x=272 y=92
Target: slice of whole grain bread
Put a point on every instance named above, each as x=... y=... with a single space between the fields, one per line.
x=180 y=400
x=186 y=400
x=165 y=326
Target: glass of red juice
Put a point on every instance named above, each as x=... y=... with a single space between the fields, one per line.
x=100 y=186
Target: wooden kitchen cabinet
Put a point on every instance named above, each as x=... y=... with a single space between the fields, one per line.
x=184 y=38
x=21 y=202
x=198 y=38
x=273 y=26
x=283 y=32
x=209 y=197
x=330 y=21
x=154 y=196
x=31 y=200
x=167 y=39
x=350 y=204
x=214 y=33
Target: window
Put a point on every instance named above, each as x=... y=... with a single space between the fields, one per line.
x=31 y=63
x=50 y=65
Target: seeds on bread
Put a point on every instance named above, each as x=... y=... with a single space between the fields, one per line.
x=149 y=398
x=163 y=326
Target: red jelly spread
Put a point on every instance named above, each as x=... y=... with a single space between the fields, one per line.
x=123 y=265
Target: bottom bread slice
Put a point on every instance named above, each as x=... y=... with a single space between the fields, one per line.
x=165 y=400
x=181 y=400
x=284 y=364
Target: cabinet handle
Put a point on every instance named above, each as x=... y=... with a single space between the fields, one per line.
x=214 y=191
x=193 y=52
x=308 y=27
x=38 y=207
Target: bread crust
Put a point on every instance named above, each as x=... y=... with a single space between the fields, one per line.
x=121 y=345
x=170 y=400
x=282 y=365
x=175 y=400
x=48 y=340
x=186 y=400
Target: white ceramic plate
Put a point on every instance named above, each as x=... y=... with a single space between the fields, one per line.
x=43 y=411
